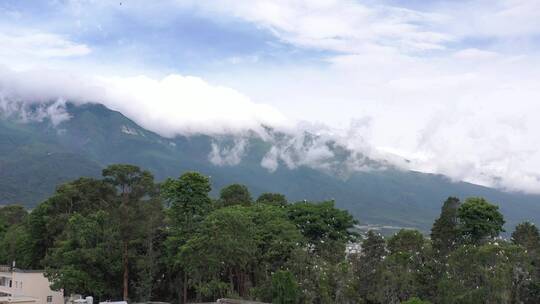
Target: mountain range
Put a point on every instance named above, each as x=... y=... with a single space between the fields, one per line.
x=38 y=154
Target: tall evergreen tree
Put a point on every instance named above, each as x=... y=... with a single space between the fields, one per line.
x=398 y=279
x=528 y=236
x=367 y=263
x=445 y=232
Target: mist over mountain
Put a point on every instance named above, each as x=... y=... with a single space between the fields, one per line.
x=38 y=151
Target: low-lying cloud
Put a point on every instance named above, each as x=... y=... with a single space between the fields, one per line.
x=170 y=106
x=449 y=88
x=493 y=147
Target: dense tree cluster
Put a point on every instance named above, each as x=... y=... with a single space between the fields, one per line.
x=126 y=236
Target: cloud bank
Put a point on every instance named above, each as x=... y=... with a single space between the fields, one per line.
x=450 y=86
x=170 y=106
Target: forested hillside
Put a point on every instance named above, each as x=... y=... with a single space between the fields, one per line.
x=124 y=236
x=38 y=155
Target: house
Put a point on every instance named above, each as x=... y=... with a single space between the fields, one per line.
x=26 y=287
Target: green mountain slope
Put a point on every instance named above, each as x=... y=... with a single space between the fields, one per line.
x=37 y=156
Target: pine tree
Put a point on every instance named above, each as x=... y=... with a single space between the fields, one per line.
x=528 y=236
x=368 y=263
x=444 y=233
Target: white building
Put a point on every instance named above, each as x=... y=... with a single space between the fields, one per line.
x=26 y=287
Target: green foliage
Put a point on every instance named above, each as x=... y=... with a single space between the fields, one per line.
x=131 y=182
x=88 y=258
x=276 y=199
x=12 y=215
x=235 y=194
x=124 y=235
x=490 y=273
x=527 y=235
x=445 y=233
x=224 y=246
x=17 y=246
x=406 y=241
x=189 y=204
x=47 y=221
x=479 y=220
x=415 y=300
x=284 y=288
x=134 y=189
x=398 y=279
x=367 y=265
x=323 y=225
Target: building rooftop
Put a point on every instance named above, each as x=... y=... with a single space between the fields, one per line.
x=5 y=268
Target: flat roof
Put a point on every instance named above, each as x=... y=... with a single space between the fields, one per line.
x=18 y=299
x=4 y=268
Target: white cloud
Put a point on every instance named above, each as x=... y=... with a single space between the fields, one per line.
x=355 y=27
x=179 y=104
x=24 y=48
x=169 y=106
x=493 y=18
x=337 y=25
x=453 y=87
x=231 y=154
x=468 y=111
x=54 y=111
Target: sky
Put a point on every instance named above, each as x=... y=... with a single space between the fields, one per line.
x=451 y=86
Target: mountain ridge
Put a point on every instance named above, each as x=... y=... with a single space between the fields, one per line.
x=39 y=155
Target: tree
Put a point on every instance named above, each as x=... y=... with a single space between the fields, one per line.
x=13 y=214
x=133 y=185
x=3 y=228
x=17 y=245
x=147 y=249
x=188 y=197
x=276 y=238
x=445 y=233
x=275 y=235
x=235 y=194
x=88 y=258
x=366 y=264
x=398 y=279
x=527 y=235
x=220 y=254
x=406 y=240
x=415 y=300
x=48 y=220
x=284 y=288
x=190 y=203
x=324 y=226
x=479 y=220
x=489 y=273
x=275 y=199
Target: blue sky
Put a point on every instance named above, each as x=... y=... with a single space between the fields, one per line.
x=450 y=85
x=167 y=36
